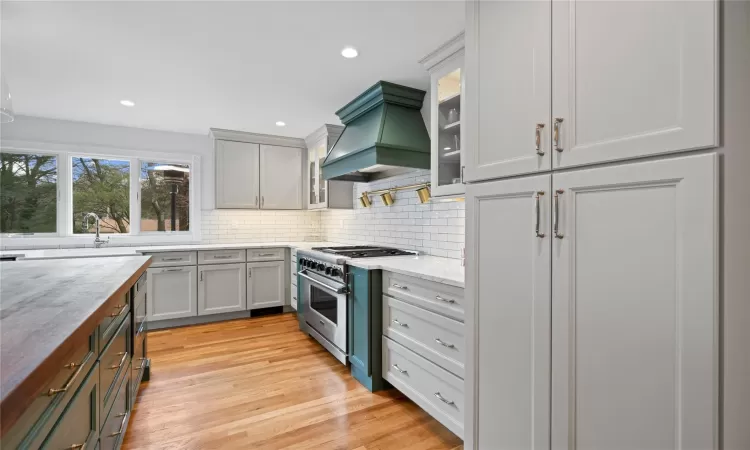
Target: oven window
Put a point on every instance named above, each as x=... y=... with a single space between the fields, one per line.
x=324 y=302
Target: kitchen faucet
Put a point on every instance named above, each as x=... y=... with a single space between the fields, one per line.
x=98 y=241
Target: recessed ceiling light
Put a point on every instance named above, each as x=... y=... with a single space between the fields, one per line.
x=349 y=52
x=280 y=124
x=128 y=103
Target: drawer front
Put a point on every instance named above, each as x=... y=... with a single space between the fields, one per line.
x=437 y=391
x=114 y=359
x=173 y=259
x=113 y=430
x=139 y=317
x=38 y=419
x=111 y=322
x=440 y=298
x=430 y=335
x=265 y=254
x=139 y=290
x=78 y=426
x=221 y=256
x=138 y=365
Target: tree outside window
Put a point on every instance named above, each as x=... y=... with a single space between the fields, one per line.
x=101 y=186
x=28 y=193
x=165 y=197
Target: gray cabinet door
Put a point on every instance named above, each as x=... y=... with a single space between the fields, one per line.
x=265 y=284
x=280 y=177
x=237 y=175
x=221 y=288
x=172 y=293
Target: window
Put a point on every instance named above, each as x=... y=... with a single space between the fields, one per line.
x=102 y=187
x=165 y=197
x=28 y=193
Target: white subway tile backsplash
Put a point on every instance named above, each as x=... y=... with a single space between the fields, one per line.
x=230 y=226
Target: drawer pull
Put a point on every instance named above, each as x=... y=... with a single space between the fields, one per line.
x=173 y=259
x=443 y=399
x=173 y=270
x=122 y=361
x=398 y=286
x=446 y=300
x=222 y=256
x=72 y=378
x=119 y=312
x=321 y=322
x=122 y=424
x=267 y=254
x=405 y=372
x=444 y=344
x=401 y=324
x=78 y=446
x=294 y=273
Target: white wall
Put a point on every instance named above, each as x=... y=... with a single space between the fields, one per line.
x=735 y=224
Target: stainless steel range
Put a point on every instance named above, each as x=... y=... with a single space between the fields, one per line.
x=323 y=280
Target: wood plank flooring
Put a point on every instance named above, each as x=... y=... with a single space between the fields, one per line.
x=261 y=383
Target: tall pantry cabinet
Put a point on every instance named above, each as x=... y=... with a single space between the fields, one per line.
x=594 y=307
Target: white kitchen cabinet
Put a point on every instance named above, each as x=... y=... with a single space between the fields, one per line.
x=320 y=193
x=633 y=78
x=508 y=282
x=221 y=288
x=508 y=88
x=570 y=83
x=172 y=293
x=280 y=177
x=446 y=113
x=237 y=175
x=630 y=353
x=265 y=284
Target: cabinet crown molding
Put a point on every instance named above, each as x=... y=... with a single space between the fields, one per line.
x=256 y=138
x=448 y=49
x=327 y=130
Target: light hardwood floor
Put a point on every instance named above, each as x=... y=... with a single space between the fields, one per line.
x=261 y=383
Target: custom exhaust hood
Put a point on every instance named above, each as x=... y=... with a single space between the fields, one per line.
x=384 y=129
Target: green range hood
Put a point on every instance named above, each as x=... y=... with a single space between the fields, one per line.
x=384 y=129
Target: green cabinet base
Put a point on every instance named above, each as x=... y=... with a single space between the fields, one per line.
x=365 y=327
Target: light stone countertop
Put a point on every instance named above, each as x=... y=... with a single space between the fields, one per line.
x=433 y=268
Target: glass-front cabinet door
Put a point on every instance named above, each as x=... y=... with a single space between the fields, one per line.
x=315 y=157
x=446 y=125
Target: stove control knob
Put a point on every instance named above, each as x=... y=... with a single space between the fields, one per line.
x=328 y=270
x=321 y=266
x=335 y=272
x=302 y=262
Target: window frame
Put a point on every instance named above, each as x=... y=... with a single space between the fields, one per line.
x=65 y=234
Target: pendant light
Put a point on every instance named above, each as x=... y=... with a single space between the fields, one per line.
x=6 y=104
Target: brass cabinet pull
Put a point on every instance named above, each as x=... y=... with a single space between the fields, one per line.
x=537 y=206
x=444 y=344
x=120 y=311
x=395 y=366
x=400 y=323
x=538 y=139
x=556 y=225
x=558 y=121
x=78 y=446
x=443 y=399
x=122 y=424
x=70 y=381
x=122 y=361
x=398 y=286
x=446 y=300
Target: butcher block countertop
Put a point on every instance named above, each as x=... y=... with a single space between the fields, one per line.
x=48 y=308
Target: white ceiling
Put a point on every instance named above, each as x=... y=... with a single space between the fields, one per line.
x=190 y=66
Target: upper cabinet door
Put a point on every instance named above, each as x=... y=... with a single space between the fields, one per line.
x=632 y=78
x=318 y=192
x=280 y=177
x=635 y=306
x=237 y=184
x=508 y=83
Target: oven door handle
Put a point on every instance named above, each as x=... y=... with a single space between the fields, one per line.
x=338 y=290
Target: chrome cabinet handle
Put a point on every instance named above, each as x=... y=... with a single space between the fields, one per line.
x=122 y=424
x=262 y=200
x=444 y=344
x=395 y=366
x=321 y=322
x=201 y=275
x=400 y=323
x=443 y=399
x=122 y=361
x=249 y=273
x=70 y=381
x=222 y=256
x=538 y=208
x=398 y=286
x=172 y=259
x=173 y=270
x=556 y=225
x=256 y=200
x=266 y=254
x=558 y=121
x=446 y=300
x=538 y=139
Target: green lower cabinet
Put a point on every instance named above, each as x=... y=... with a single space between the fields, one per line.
x=365 y=327
x=78 y=426
x=113 y=430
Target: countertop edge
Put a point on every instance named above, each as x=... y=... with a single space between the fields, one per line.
x=15 y=402
x=421 y=275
